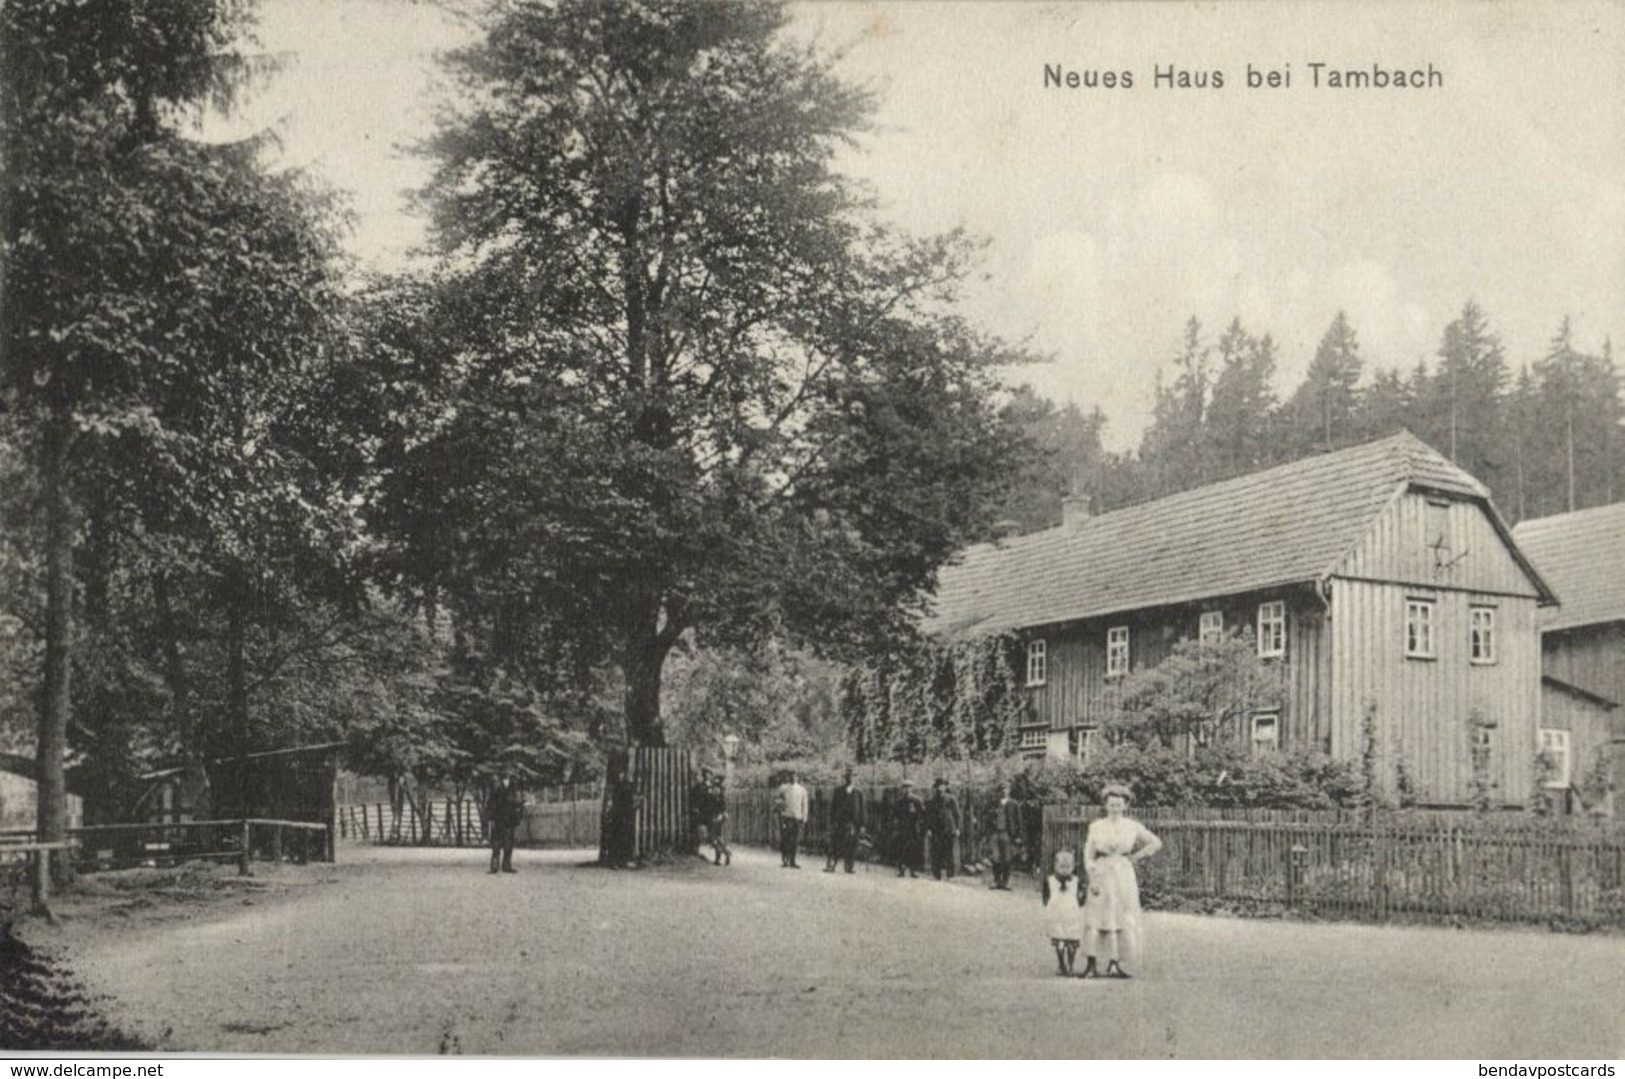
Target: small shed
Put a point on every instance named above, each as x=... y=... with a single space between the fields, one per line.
x=297 y=783
x=19 y=796
x=1581 y=740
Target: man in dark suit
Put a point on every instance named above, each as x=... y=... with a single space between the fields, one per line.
x=943 y=815
x=845 y=822
x=506 y=810
x=1004 y=830
x=700 y=811
x=908 y=817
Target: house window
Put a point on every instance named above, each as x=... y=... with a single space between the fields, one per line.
x=1481 y=637
x=1034 y=737
x=1554 y=747
x=1272 y=628
x=1037 y=662
x=1116 y=651
x=1086 y=742
x=1266 y=732
x=1210 y=629
x=1419 y=629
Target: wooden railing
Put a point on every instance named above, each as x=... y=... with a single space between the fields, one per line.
x=122 y=846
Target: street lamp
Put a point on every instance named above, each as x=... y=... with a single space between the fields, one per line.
x=730 y=748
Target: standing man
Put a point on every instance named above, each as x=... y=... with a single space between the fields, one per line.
x=845 y=822
x=943 y=815
x=792 y=818
x=700 y=810
x=908 y=818
x=1004 y=826
x=506 y=809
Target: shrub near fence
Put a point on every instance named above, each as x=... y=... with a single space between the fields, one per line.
x=1432 y=866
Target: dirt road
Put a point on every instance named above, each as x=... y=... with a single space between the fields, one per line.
x=414 y=951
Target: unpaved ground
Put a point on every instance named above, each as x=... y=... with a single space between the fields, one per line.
x=420 y=951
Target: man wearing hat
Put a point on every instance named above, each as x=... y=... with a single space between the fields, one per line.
x=943 y=817
x=908 y=816
x=845 y=822
x=504 y=811
x=1004 y=827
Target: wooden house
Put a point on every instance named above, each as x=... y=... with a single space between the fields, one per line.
x=1582 y=554
x=1380 y=577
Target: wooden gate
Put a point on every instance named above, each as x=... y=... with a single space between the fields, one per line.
x=659 y=780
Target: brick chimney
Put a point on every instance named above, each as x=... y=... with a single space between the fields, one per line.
x=1075 y=509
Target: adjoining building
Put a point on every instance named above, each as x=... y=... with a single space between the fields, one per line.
x=1582 y=646
x=1380 y=577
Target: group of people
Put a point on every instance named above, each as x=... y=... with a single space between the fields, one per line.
x=1097 y=912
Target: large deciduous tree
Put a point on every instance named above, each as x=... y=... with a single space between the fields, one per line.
x=84 y=90
x=693 y=384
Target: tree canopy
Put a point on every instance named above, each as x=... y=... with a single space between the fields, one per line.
x=693 y=383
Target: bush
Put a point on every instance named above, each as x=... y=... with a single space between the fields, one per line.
x=1216 y=776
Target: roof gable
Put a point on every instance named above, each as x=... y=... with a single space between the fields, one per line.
x=1582 y=554
x=1280 y=526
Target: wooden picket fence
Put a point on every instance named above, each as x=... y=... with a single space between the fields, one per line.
x=549 y=821
x=1438 y=866
x=442 y=822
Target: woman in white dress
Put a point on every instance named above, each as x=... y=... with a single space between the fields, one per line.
x=1111 y=910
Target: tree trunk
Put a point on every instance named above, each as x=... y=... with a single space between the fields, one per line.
x=642 y=668
x=52 y=745
x=237 y=688
x=180 y=703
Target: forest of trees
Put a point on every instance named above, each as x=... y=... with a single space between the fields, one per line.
x=671 y=429
x=1543 y=432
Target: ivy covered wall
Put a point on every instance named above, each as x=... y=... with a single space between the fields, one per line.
x=937 y=700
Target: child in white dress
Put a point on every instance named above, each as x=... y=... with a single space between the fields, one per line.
x=1063 y=912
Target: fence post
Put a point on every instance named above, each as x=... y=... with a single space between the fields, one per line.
x=1565 y=872
x=242 y=863
x=42 y=882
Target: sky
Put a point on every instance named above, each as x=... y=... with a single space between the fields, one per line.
x=1113 y=215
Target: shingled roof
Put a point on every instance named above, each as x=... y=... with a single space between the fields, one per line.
x=1281 y=526
x=1582 y=555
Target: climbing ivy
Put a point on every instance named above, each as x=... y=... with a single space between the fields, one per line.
x=950 y=700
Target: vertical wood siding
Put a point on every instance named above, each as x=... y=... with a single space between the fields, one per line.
x=1398 y=549
x=1591 y=657
x=1423 y=705
x=1075 y=685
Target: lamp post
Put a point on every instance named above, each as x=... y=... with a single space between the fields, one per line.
x=730 y=749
